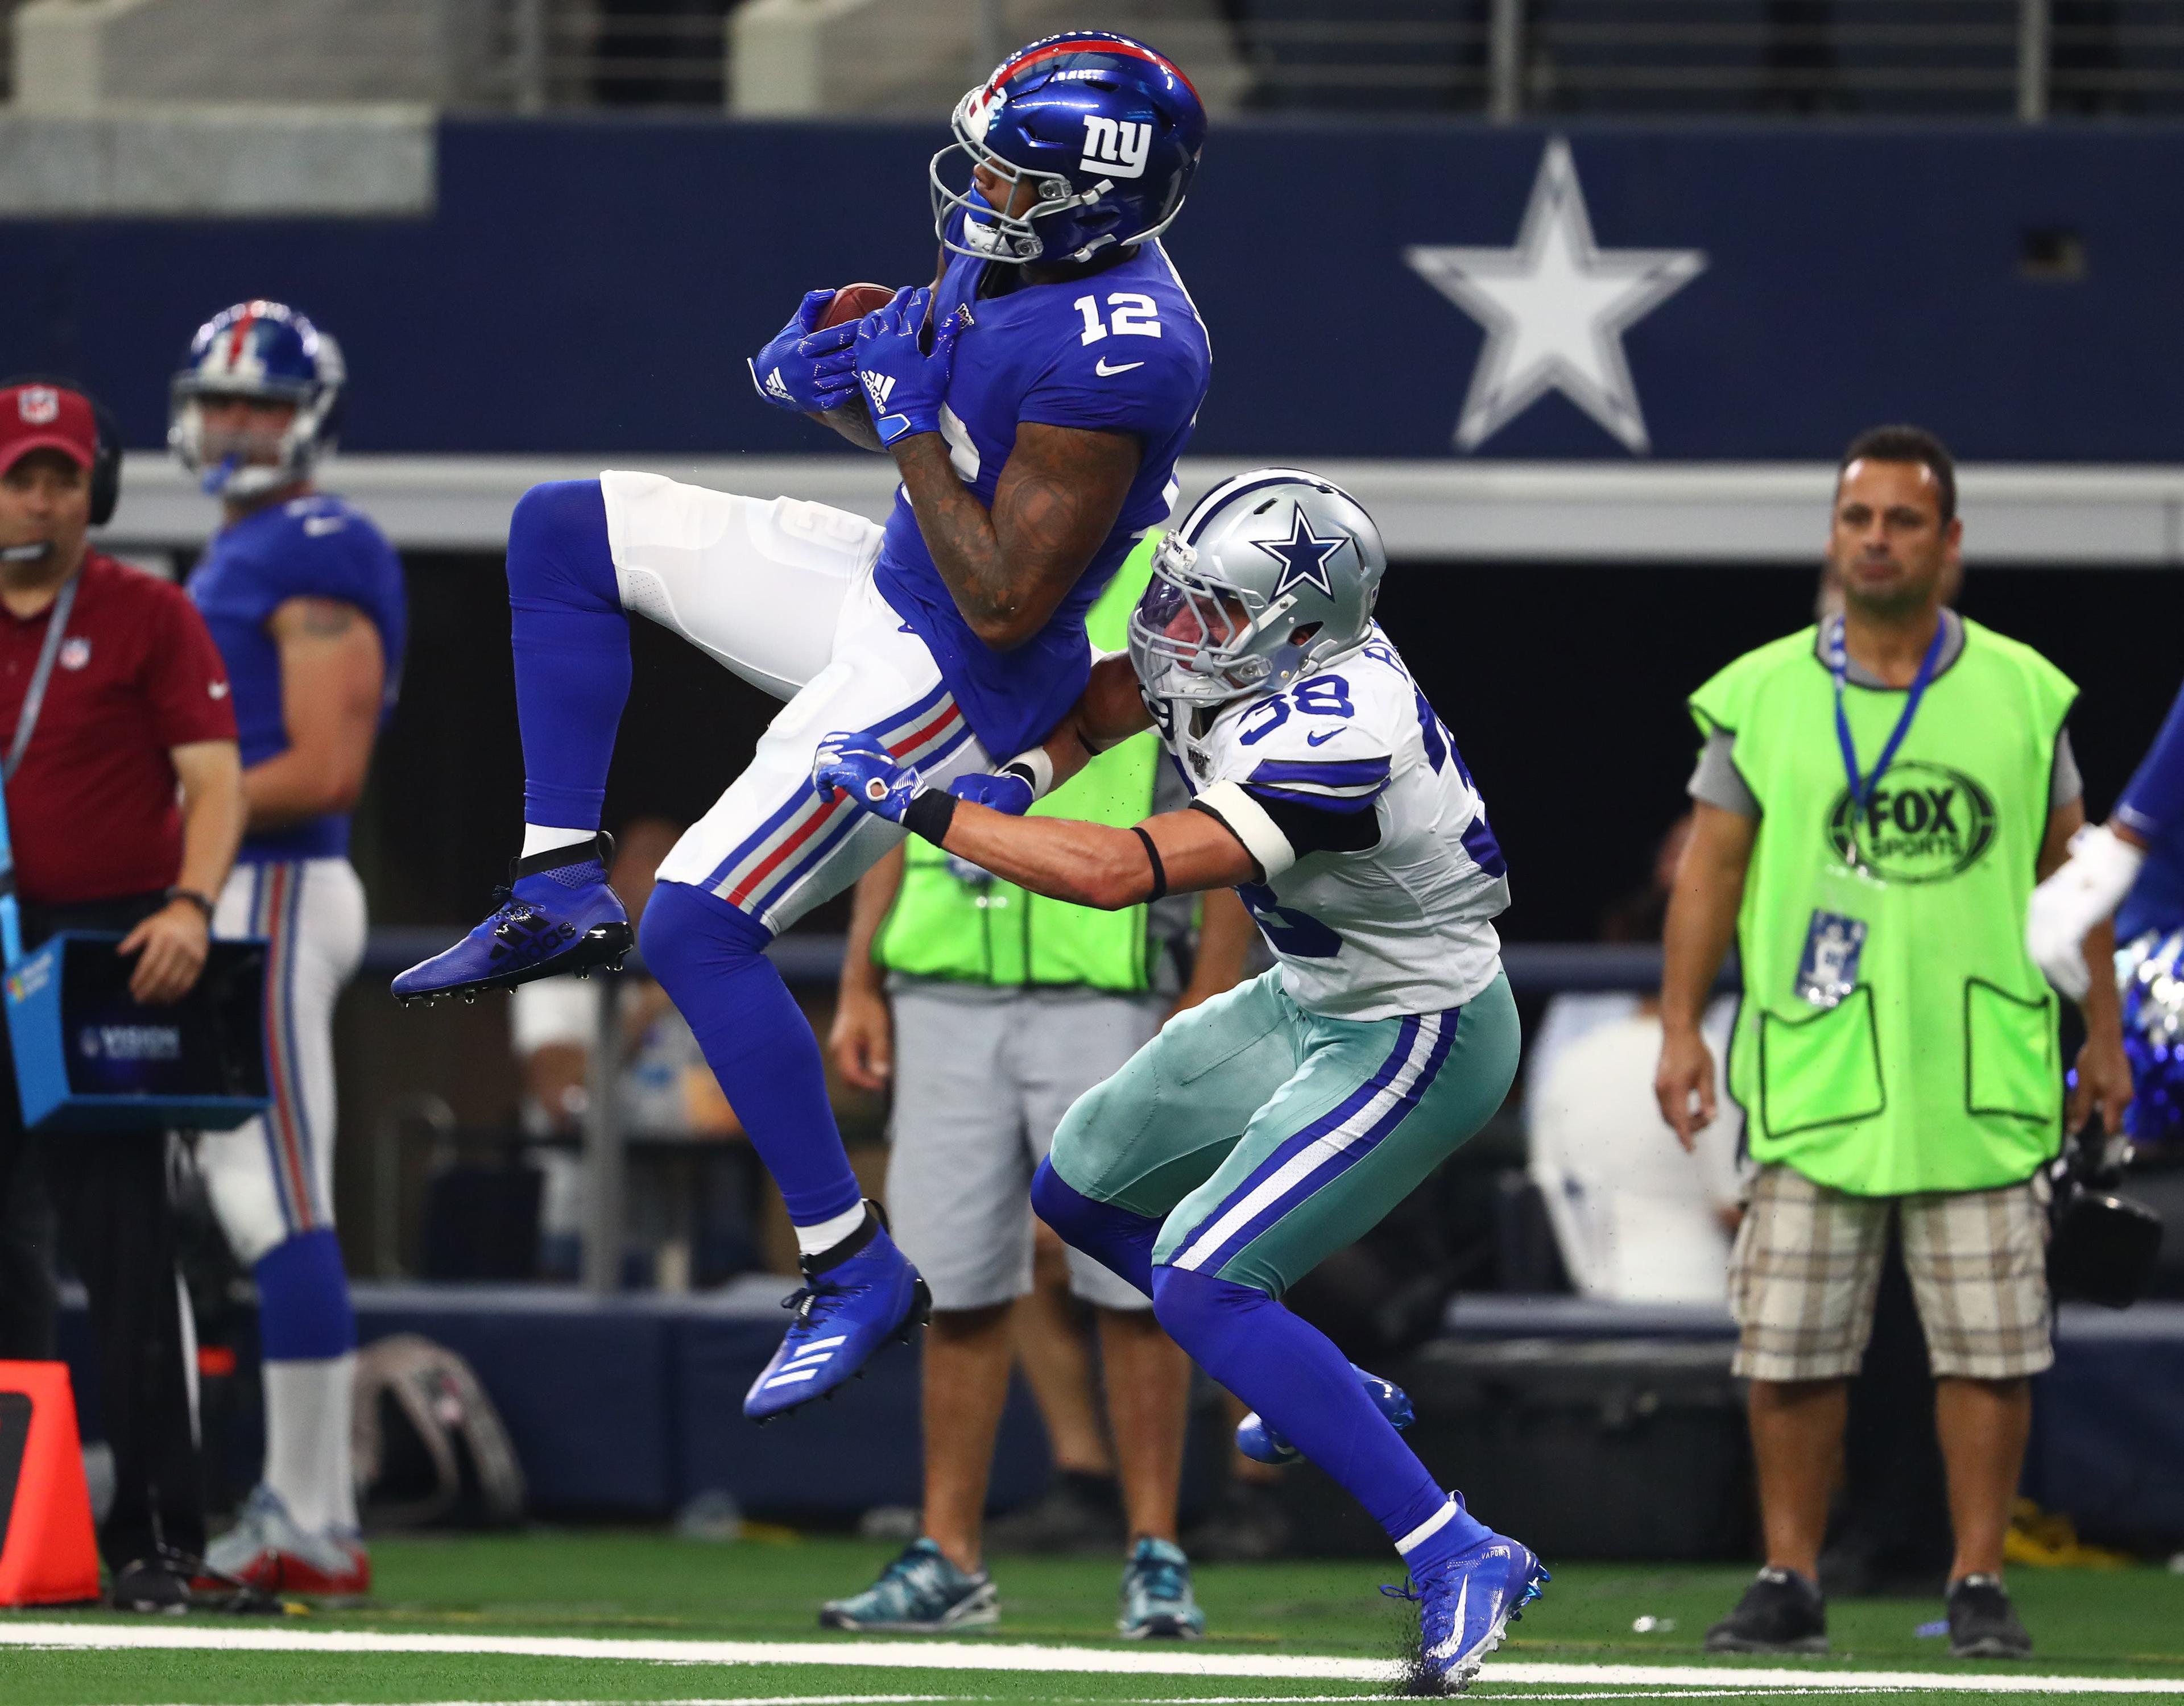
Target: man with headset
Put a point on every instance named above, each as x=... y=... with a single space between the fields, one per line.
x=124 y=805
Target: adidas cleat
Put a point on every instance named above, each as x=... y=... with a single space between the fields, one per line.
x=1262 y=1443
x=558 y=915
x=1157 y=1603
x=919 y=1593
x=1468 y=1602
x=853 y=1299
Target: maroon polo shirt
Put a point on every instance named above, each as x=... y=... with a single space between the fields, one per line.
x=93 y=810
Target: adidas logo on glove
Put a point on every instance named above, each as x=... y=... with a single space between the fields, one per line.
x=775 y=387
x=879 y=386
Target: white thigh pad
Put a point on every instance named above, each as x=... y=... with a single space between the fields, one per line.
x=757 y=583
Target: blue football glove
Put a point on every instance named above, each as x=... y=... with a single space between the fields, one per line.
x=1009 y=793
x=905 y=387
x=856 y=762
x=806 y=369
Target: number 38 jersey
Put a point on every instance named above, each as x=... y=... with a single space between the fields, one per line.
x=1378 y=871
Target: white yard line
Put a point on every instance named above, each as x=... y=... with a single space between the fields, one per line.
x=962 y=1656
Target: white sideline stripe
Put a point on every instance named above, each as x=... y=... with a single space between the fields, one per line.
x=990 y=1656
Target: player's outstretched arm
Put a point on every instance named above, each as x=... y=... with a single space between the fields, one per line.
x=1109 y=710
x=1086 y=864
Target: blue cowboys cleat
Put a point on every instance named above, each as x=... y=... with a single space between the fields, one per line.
x=919 y=1593
x=854 y=1298
x=1156 y=1599
x=1264 y=1443
x=558 y=915
x=1469 y=1600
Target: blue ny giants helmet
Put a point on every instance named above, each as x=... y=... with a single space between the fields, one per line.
x=265 y=350
x=1106 y=131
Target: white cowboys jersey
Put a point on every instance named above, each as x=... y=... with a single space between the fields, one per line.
x=1353 y=757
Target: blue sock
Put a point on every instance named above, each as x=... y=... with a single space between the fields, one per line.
x=712 y=960
x=1114 y=1237
x=303 y=1312
x=1291 y=1373
x=571 y=644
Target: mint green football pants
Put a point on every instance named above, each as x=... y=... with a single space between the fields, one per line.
x=1264 y=1138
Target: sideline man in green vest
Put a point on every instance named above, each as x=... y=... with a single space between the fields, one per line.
x=1875 y=798
x=1006 y=1007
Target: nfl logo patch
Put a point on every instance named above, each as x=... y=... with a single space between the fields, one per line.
x=40 y=405
x=75 y=653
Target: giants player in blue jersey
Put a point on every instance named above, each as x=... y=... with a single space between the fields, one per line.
x=1034 y=398
x=2133 y=867
x=303 y=596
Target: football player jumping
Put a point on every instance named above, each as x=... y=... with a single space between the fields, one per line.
x=1271 y=1126
x=1035 y=399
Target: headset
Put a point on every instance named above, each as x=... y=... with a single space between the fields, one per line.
x=106 y=458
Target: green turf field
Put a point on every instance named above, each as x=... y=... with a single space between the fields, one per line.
x=610 y=1617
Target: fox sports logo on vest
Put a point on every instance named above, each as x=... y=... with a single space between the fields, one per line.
x=1927 y=823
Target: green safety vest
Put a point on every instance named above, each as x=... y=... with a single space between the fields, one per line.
x=1939 y=1069
x=994 y=932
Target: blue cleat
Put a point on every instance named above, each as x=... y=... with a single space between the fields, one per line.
x=853 y=1299
x=1264 y=1443
x=557 y=915
x=1469 y=1600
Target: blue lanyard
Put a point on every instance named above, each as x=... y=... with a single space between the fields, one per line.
x=1838 y=660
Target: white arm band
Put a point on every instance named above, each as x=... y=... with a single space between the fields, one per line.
x=1248 y=821
x=1036 y=768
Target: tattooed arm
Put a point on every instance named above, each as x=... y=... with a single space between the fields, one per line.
x=331 y=676
x=1057 y=500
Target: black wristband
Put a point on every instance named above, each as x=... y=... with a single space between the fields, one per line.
x=1160 y=870
x=202 y=903
x=932 y=809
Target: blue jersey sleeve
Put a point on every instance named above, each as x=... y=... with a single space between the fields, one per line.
x=1144 y=372
x=2153 y=805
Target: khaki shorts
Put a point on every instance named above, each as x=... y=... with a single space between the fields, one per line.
x=1806 y=1265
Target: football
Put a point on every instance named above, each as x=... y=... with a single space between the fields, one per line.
x=854 y=302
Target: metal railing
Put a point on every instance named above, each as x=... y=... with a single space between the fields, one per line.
x=1509 y=59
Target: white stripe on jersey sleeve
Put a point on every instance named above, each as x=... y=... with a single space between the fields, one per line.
x=1247 y=820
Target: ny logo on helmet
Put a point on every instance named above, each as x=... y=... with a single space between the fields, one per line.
x=40 y=405
x=1115 y=147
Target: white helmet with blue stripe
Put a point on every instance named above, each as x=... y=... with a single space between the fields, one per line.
x=1272 y=575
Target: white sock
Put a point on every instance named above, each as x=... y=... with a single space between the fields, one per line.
x=306 y=1440
x=544 y=838
x=813 y=1240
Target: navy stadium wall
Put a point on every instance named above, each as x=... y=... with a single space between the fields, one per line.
x=593 y=286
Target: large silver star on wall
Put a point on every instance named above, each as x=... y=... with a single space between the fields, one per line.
x=1555 y=308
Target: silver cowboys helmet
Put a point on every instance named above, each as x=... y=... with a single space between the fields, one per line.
x=1272 y=576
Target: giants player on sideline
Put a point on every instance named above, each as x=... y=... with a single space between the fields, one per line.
x=1037 y=436
x=305 y=598
x=1271 y=1126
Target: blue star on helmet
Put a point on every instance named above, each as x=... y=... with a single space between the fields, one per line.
x=1303 y=555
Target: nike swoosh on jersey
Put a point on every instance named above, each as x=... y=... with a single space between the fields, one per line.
x=1321 y=739
x=1104 y=371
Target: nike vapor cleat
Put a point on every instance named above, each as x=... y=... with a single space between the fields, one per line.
x=1782 y=1612
x=1264 y=1443
x=1468 y=1601
x=1156 y=1599
x=854 y=1298
x=557 y=915
x=267 y=1550
x=919 y=1593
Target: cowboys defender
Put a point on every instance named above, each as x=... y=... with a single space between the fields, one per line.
x=1271 y=1126
x=1036 y=434
x=305 y=598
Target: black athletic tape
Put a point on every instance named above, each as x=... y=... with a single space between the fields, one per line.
x=1160 y=870
x=931 y=811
